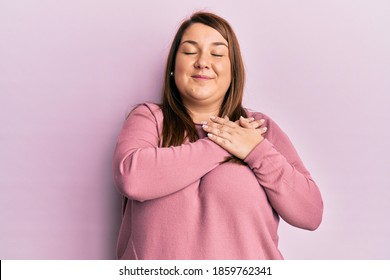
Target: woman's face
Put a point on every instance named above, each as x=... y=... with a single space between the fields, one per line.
x=202 y=70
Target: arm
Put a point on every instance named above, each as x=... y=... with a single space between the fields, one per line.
x=143 y=171
x=289 y=187
x=274 y=161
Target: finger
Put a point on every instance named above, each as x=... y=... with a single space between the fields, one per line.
x=244 y=122
x=215 y=125
x=258 y=123
x=250 y=119
x=224 y=143
x=222 y=131
x=246 y=119
x=250 y=124
x=222 y=121
x=263 y=130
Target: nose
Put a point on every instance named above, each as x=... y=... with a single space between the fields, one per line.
x=202 y=62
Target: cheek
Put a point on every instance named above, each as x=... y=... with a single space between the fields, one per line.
x=178 y=66
x=180 y=73
x=182 y=64
x=224 y=71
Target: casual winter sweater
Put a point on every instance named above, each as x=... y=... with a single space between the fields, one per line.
x=183 y=202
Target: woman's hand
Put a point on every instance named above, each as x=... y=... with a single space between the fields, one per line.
x=248 y=122
x=238 y=138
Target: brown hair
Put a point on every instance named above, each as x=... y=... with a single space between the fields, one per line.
x=177 y=123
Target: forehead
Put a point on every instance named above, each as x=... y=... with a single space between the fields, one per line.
x=202 y=34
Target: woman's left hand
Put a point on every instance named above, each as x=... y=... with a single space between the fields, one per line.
x=238 y=138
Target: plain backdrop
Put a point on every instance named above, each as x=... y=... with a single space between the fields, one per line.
x=71 y=70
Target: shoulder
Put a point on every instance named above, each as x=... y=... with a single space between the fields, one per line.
x=148 y=110
x=147 y=114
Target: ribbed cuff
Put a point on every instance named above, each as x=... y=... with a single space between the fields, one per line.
x=259 y=153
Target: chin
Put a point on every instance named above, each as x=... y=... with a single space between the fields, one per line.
x=201 y=95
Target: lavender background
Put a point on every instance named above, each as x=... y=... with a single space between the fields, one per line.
x=71 y=70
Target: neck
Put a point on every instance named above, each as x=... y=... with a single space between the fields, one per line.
x=202 y=113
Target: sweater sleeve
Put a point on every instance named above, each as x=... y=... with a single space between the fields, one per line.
x=290 y=189
x=144 y=171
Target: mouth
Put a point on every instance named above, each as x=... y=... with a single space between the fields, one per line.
x=201 y=77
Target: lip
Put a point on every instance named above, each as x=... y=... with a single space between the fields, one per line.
x=201 y=77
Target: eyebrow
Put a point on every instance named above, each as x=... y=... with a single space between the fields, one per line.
x=196 y=43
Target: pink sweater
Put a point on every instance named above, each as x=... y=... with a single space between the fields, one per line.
x=184 y=204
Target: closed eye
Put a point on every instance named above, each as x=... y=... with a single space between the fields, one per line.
x=189 y=53
x=217 y=55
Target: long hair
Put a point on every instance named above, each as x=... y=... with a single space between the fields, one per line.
x=177 y=124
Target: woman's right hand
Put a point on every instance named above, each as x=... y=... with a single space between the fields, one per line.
x=249 y=122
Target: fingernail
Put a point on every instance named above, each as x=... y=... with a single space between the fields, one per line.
x=265 y=129
x=203 y=122
x=212 y=117
x=262 y=120
x=205 y=126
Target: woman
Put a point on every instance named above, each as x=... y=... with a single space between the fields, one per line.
x=202 y=177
